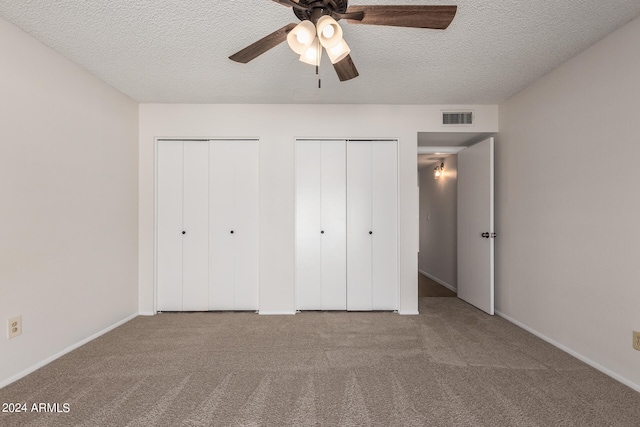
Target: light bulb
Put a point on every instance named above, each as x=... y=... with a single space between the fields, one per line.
x=328 y=31
x=303 y=38
x=312 y=55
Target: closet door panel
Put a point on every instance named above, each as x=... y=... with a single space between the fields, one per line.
x=333 y=223
x=245 y=224
x=384 y=209
x=195 y=243
x=308 y=226
x=221 y=223
x=169 y=226
x=359 y=274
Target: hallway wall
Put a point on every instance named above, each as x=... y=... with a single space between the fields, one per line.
x=438 y=223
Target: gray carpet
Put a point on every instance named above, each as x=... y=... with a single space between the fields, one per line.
x=451 y=366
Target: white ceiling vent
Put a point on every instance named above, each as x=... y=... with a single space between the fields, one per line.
x=457 y=118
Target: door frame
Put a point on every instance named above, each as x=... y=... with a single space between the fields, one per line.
x=473 y=138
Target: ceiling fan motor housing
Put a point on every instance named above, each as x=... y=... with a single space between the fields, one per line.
x=318 y=8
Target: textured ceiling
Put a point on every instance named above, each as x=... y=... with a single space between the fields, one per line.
x=176 y=51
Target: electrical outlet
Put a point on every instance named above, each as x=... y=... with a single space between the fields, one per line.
x=14 y=327
x=636 y=340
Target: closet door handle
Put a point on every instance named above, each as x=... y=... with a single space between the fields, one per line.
x=231 y=231
x=322 y=232
x=371 y=232
x=184 y=232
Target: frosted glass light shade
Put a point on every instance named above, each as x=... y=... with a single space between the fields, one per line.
x=301 y=37
x=313 y=53
x=329 y=32
x=338 y=52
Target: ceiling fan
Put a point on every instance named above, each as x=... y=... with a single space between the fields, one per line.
x=319 y=28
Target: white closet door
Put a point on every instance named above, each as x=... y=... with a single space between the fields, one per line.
x=233 y=219
x=308 y=226
x=195 y=217
x=333 y=225
x=384 y=213
x=320 y=225
x=221 y=223
x=245 y=224
x=359 y=226
x=169 y=226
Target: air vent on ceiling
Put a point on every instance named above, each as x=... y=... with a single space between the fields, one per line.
x=457 y=118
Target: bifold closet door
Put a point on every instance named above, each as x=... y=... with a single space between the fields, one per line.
x=233 y=225
x=384 y=219
x=320 y=225
x=372 y=249
x=182 y=225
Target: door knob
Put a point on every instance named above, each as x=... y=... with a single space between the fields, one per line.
x=184 y=232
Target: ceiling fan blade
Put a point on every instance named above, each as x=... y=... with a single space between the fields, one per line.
x=434 y=17
x=261 y=46
x=346 y=69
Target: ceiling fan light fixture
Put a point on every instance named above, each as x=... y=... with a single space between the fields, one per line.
x=338 y=52
x=329 y=31
x=312 y=54
x=301 y=37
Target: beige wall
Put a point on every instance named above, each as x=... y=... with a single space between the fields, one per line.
x=68 y=203
x=568 y=205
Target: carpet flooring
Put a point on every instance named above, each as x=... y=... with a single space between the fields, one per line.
x=452 y=365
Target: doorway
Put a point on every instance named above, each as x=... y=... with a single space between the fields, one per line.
x=438 y=210
x=437 y=266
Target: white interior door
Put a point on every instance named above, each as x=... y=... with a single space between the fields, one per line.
x=233 y=225
x=476 y=225
x=195 y=217
x=333 y=225
x=245 y=224
x=308 y=226
x=169 y=226
x=384 y=218
x=221 y=224
x=359 y=226
x=320 y=225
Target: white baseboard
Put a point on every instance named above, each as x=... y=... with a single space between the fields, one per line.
x=147 y=313
x=276 y=313
x=442 y=282
x=63 y=352
x=409 y=313
x=575 y=354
